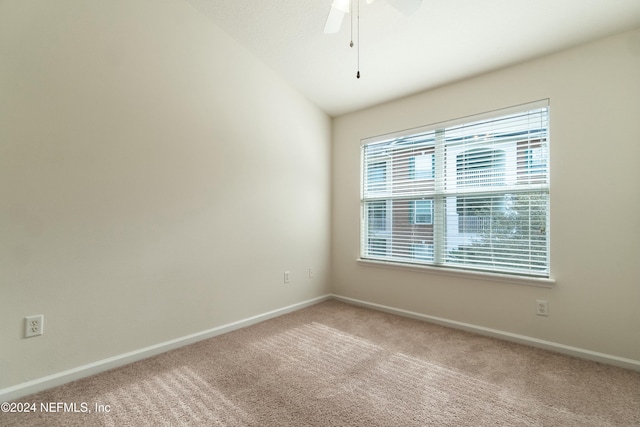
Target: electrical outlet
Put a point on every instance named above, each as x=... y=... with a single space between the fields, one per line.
x=287 y=277
x=33 y=325
x=310 y=273
x=542 y=308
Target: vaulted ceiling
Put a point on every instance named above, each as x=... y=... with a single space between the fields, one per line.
x=444 y=41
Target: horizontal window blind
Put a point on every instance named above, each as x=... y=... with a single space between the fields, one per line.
x=469 y=195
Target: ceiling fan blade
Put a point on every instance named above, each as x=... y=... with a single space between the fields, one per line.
x=407 y=7
x=336 y=14
x=334 y=21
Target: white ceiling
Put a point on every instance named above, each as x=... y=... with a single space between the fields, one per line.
x=444 y=41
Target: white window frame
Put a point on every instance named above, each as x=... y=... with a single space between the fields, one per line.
x=438 y=211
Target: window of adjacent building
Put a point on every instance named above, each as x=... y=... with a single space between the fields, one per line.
x=468 y=194
x=537 y=159
x=421 y=212
x=422 y=166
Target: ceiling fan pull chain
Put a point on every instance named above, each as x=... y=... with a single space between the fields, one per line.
x=358 y=47
x=351 y=7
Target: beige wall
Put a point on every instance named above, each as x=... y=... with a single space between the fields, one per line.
x=155 y=181
x=594 y=91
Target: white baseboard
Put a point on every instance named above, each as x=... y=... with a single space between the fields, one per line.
x=507 y=336
x=40 y=384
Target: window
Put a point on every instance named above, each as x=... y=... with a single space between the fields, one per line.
x=378 y=226
x=422 y=212
x=537 y=159
x=478 y=167
x=422 y=166
x=423 y=251
x=469 y=194
x=377 y=176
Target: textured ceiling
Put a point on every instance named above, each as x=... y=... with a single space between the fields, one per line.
x=444 y=41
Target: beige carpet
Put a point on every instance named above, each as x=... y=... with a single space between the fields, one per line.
x=338 y=365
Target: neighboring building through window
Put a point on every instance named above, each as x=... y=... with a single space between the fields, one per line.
x=468 y=194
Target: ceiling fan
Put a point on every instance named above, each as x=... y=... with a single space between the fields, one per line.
x=339 y=8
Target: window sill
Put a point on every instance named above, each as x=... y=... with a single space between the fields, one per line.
x=477 y=275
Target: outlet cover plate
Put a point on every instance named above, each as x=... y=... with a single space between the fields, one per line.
x=542 y=307
x=33 y=325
